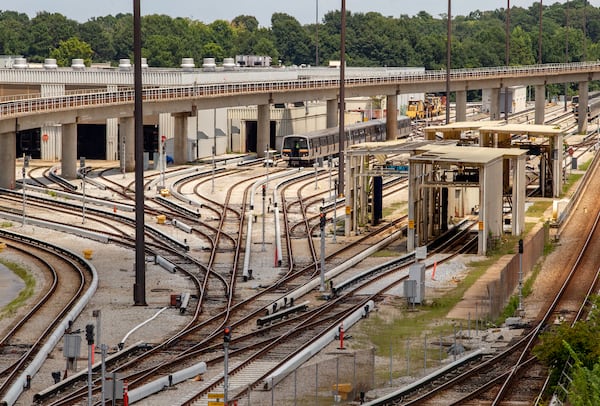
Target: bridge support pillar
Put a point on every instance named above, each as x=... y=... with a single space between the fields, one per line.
x=540 y=103
x=391 y=123
x=8 y=155
x=263 y=136
x=180 y=144
x=127 y=144
x=332 y=113
x=582 y=123
x=68 y=161
x=461 y=105
x=495 y=104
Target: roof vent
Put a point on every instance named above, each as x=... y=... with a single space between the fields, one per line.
x=77 y=64
x=50 y=63
x=124 y=64
x=20 y=63
x=187 y=64
x=228 y=64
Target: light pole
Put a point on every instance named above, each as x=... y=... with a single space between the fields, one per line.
x=139 y=288
x=507 y=56
x=214 y=149
x=267 y=163
x=83 y=196
x=317 y=35
x=448 y=59
x=566 y=48
x=342 y=137
x=322 y=227
x=25 y=165
x=540 y=36
x=584 y=30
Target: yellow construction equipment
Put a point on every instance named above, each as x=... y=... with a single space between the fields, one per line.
x=421 y=109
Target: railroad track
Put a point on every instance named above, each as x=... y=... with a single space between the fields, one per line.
x=68 y=280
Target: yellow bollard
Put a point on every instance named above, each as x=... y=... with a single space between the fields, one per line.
x=160 y=219
x=87 y=253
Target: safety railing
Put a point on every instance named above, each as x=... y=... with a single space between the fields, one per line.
x=36 y=104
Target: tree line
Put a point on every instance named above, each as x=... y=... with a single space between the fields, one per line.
x=570 y=33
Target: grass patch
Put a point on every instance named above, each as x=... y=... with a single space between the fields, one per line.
x=513 y=304
x=584 y=166
x=386 y=253
x=430 y=318
x=24 y=294
x=538 y=208
x=571 y=180
x=394 y=208
x=6 y=224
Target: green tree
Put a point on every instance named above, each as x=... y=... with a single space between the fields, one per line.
x=585 y=386
x=213 y=50
x=520 y=48
x=222 y=34
x=265 y=46
x=248 y=23
x=291 y=39
x=582 y=339
x=98 y=33
x=70 y=49
x=15 y=37
x=47 y=31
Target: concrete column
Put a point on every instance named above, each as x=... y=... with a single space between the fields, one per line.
x=518 y=195
x=127 y=132
x=68 y=161
x=391 y=122
x=495 y=104
x=540 y=103
x=332 y=113
x=180 y=144
x=557 y=159
x=8 y=155
x=263 y=135
x=461 y=105
x=582 y=122
x=481 y=225
x=414 y=170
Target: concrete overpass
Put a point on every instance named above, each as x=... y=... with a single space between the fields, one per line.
x=67 y=98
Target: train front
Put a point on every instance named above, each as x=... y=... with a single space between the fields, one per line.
x=295 y=150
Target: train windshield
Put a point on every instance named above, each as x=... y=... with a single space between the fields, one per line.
x=295 y=143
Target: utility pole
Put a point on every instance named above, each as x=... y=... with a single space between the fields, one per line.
x=24 y=172
x=139 y=288
x=507 y=57
x=322 y=221
x=566 y=49
x=342 y=132
x=317 y=36
x=540 y=36
x=448 y=59
x=226 y=341
x=89 y=336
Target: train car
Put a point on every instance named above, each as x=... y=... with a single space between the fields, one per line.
x=592 y=110
x=575 y=102
x=306 y=149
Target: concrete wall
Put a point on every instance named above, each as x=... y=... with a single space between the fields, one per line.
x=517 y=99
x=504 y=286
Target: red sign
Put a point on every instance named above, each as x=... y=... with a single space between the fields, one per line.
x=570 y=151
x=163 y=138
x=45 y=137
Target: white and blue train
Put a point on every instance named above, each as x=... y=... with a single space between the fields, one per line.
x=306 y=149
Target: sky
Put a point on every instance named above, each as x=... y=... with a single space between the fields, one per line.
x=305 y=11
